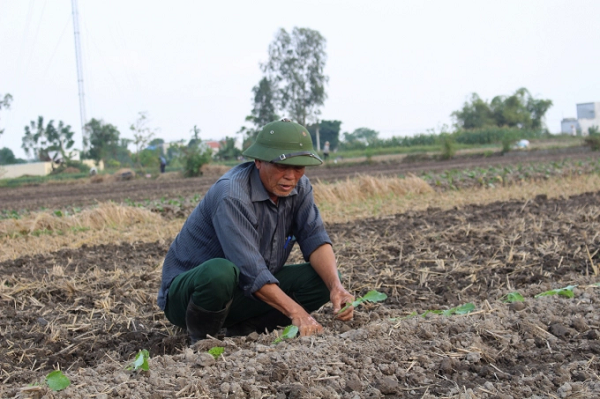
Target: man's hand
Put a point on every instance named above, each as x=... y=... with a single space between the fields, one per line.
x=339 y=298
x=307 y=325
x=274 y=296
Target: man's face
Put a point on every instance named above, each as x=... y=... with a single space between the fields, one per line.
x=279 y=180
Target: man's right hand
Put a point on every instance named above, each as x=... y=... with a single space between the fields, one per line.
x=307 y=325
x=274 y=296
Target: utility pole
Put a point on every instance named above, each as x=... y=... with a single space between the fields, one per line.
x=318 y=137
x=84 y=137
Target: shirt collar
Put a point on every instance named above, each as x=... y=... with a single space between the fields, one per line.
x=258 y=192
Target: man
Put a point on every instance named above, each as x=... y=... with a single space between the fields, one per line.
x=226 y=266
x=326 y=150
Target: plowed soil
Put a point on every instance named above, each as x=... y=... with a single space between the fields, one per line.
x=84 y=192
x=89 y=311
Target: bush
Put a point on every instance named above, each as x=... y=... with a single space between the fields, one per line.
x=113 y=164
x=593 y=140
x=448 y=146
x=193 y=157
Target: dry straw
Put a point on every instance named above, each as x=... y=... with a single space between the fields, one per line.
x=107 y=223
x=343 y=201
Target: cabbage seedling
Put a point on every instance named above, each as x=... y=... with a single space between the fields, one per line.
x=513 y=297
x=463 y=309
x=57 y=381
x=216 y=351
x=371 y=296
x=566 y=291
x=289 y=332
x=459 y=310
x=141 y=361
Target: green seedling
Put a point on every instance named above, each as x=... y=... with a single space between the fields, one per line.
x=140 y=362
x=216 y=351
x=513 y=297
x=289 y=332
x=371 y=296
x=459 y=310
x=57 y=381
x=434 y=311
x=566 y=292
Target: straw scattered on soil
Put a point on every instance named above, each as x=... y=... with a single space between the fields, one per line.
x=344 y=201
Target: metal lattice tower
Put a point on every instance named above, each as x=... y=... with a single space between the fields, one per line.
x=79 y=73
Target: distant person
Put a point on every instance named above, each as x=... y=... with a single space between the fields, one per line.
x=326 y=151
x=163 y=164
x=227 y=266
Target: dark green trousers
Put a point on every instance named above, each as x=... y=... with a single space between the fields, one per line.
x=215 y=282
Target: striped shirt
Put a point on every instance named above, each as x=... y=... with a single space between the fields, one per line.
x=237 y=220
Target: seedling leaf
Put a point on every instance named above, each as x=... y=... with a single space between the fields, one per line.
x=289 y=332
x=435 y=311
x=141 y=361
x=463 y=309
x=216 y=351
x=566 y=292
x=513 y=297
x=57 y=381
x=371 y=296
x=413 y=314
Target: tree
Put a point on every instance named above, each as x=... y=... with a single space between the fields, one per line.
x=7 y=157
x=48 y=142
x=142 y=135
x=103 y=140
x=194 y=155
x=5 y=103
x=328 y=131
x=295 y=73
x=362 y=135
x=476 y=114
x=228 y=150
x=195 y=140
x=263 y=111
x=519 y=110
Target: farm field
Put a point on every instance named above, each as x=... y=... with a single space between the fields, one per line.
x=83 y=192
x=90 y=309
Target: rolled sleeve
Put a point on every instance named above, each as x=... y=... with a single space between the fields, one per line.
x=310 y=244
x=265 y=277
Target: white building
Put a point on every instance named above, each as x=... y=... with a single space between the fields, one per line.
x=588 y=115
x=569 y=126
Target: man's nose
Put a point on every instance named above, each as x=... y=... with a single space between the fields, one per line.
x=289 y=174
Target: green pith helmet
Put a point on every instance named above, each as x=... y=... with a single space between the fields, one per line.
x=284 y=142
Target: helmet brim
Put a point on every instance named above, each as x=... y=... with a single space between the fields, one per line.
x=262 y=153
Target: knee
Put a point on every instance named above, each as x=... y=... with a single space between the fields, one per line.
x=220 y=272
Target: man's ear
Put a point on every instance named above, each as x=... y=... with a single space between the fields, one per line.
x=257 y=163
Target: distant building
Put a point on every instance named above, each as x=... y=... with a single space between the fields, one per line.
x=214 y=145
x=588 y=115
x=569 y=126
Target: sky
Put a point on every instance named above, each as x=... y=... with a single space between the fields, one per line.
x=398 y=67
